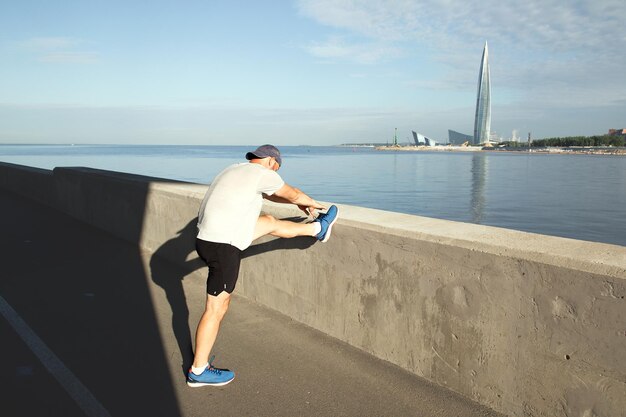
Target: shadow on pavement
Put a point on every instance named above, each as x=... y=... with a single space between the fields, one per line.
x=85 y=294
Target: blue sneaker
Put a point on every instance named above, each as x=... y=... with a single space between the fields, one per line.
x=326 y=221
x=211 y=376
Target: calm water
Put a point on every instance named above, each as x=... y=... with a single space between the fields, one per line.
x=577 y=196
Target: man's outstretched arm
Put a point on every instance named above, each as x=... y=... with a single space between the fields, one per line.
x=291 y=195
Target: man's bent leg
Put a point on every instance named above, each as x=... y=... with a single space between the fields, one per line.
x=216 y=307
x=269 y=225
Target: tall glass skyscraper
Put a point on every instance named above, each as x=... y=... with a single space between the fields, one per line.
x=482 y=121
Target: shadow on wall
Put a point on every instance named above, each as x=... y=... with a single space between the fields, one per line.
x=177 y=251
x=300 y=242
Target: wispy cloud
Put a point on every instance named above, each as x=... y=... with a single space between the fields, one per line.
x=381 y=20
x=556 y=50
x=551 y=25
x=59 y=50
x=365 y=53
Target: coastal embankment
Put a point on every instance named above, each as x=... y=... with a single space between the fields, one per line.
x=525 y=324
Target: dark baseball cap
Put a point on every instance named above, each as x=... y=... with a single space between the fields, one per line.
x=265 y=151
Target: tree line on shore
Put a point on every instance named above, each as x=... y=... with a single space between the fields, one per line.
x=599 y=140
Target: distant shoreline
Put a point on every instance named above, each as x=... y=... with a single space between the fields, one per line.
x=546 y=150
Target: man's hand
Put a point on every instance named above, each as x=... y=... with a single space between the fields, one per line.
x=310 y=210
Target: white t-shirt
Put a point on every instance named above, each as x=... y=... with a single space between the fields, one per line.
x=233 y=202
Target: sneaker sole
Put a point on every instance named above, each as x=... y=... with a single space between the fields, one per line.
x=204 y=384
x=330 y=227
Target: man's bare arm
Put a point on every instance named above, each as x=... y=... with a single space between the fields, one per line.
x=291 y=195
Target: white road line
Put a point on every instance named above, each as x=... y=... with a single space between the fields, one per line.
x=79 y=393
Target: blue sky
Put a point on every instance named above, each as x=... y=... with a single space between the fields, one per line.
x=305 y=72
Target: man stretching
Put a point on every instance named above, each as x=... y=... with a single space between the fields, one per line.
x=228 y=221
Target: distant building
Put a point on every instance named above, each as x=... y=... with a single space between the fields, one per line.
x=482 y=120
x=415 y=138
x=617 y=132
x=421 y=140
x=457 y=138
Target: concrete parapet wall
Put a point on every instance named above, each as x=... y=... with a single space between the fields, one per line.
x=34 y=183
x=529 y=325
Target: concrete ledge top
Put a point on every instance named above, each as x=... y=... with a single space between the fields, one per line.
x=591 y=257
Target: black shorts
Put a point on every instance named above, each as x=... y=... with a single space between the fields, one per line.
x=223 y=261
